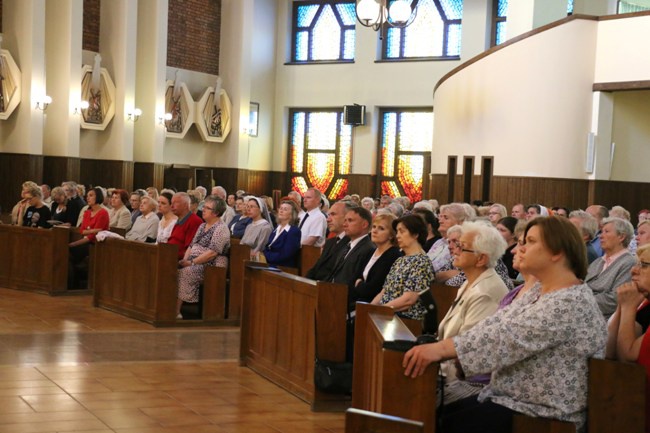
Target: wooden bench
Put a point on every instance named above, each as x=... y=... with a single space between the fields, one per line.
x=309 y=255
x=139 y=280
x=379 y=384
x=34 y=259
x=362 y=421
x=278 y=338
x=444 y=296
x=239 y=255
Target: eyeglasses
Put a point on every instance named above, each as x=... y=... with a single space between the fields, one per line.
x=465 y=250
x=642 y=264
x=454 y=244
x=208 y=208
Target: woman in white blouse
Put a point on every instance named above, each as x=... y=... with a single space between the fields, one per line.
x=168 y=219
x=119 y=215
x=145 y=228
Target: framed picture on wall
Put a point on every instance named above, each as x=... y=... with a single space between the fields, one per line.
x=253 y=119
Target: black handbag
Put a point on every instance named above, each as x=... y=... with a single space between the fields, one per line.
x=333 y=377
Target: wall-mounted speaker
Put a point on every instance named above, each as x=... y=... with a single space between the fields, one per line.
x=354 y=115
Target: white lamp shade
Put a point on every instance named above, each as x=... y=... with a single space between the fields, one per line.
x=400 y=11
x=368 y=11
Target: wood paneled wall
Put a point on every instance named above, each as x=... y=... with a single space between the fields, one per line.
x=58 y=169
x=107 y=173
x=146 y=174
x=16 y=168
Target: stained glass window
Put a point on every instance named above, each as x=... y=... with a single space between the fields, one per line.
x=499 y=17
x=405 y=152
x=320 y=153
x=323 y=30
x=625 y=7
x=435 y=32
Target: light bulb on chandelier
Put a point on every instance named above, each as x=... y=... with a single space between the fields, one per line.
x=376 y=13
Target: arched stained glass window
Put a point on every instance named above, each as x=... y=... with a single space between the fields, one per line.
x=320 y=153
x=435 y=32
x=405 y=152
x=499 y=21
x=323 y=31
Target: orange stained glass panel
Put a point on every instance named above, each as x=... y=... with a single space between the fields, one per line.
x=320 y=170
x=411 y=172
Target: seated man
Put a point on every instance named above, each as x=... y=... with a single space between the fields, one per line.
x=187 y=224
x=333 y=245
x=353 y=258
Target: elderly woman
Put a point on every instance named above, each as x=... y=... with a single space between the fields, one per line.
x=18 y=211
x=209 y=247
x=588 y=227
x=374 y=272
x=628 y=337
x=240 y=221
x=145 y=228
x=59 y=206
x=369 y=203
x=410 y=274
x=643 y=233
x=258 y=231
x=613 y=269
x=450 y=215
x=95 y=219
x=37 y=213
x=283 y=248
x=166 y=225
x=496 y=212
x=540 y=343
x=480 y=246
x=195 y=201
x=119 y=215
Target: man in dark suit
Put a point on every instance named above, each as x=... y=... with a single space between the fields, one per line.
x=353 y=258
x=333 y=246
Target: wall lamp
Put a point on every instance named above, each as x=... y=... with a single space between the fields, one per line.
x=44 y=103
x=83 y=105
x=134 y=115
x=162 y=119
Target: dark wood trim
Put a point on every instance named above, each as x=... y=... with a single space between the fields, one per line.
x=468 y=175
x=512 y=41
x=623 y=16
x=621 y=86
x=487 y=169
x=452 y=170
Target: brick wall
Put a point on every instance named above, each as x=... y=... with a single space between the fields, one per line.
x=91 y=25
x=194 y=28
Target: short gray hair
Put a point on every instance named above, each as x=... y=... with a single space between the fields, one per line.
x=588 y=224
x=619 y=212
x=622 y=227
x=461 y=212
x=368 y=200
x=218 y=204
x=185 y=197
x=423 y=205
x=487 y=240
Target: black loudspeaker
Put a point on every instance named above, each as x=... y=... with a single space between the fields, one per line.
x=354 y=114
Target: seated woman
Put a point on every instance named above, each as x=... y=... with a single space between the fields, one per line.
x=375 y=271
x=283 y=248
x=18 y=211
x=480 y=246
x=537 y=349
x=59 y=208
x=240 y=221
x=529 y=280
x=643 y=233
x=209 y=247
x=450 y=215
x=119 y=215
x=410 y=274
x=258 y=231
x=166 y=225
x=606 y=273
x=37 y=213
x=95 y=219
x=506 y=227
x=433 y=235
x=627 y=329
x=145 y=228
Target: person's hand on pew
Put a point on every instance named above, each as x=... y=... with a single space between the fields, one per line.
x=418 y=359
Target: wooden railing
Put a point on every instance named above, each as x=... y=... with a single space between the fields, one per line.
x=34 y=259
x=278 y=338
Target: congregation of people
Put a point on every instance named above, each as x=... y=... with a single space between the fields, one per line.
x=539 y=290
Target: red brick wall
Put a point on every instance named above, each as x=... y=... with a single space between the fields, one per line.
x=194 y=29
x=91 y=25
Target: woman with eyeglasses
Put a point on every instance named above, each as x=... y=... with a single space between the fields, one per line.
x=209 y=247
x=537 y=349
x=258 y=231
x=475 y=253
x=37 y=213
x=628 y=339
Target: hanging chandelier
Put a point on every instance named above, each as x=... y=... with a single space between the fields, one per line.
x=375 y=13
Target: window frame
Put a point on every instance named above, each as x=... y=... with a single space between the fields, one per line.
x=445 y=47
x=496 y=19
x=337 y=175
x=425 y=154
x=294 y=31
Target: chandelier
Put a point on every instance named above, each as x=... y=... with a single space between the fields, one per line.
x=375 y=13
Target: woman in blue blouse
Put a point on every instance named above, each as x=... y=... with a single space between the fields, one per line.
x=283 y=247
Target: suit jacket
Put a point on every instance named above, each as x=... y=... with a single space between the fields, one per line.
x=285 y=250
x=604 y=284
x=352 y=265
x=327 y=259
x=371 y=286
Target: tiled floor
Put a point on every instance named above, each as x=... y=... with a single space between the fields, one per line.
x=68 y=367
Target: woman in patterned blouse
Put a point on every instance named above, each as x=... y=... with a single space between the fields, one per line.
x=537 y=348
x=410 y=274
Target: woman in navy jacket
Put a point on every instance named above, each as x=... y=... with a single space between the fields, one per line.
x=283 y=248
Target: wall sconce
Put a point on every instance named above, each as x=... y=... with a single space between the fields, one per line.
x=83 y=105
x=134 y=115
x=44 y=103
x=162 y=119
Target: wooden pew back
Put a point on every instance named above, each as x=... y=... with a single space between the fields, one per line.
x=444 y=297
x=361 y=421
x=239 y=255
x=308 y=257
x=379 y=384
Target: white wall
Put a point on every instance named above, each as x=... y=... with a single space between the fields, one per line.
x=622 y=53
x=631 y=133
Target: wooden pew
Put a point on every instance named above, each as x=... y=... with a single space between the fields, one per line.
x=616 y=401
x=527 y=424
x=379 y=384
x=362 y=421
x=444 y=296
x=239 y=255
x=139 y=280
x=278 y=338
x=34 y=259
x=308 y=257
